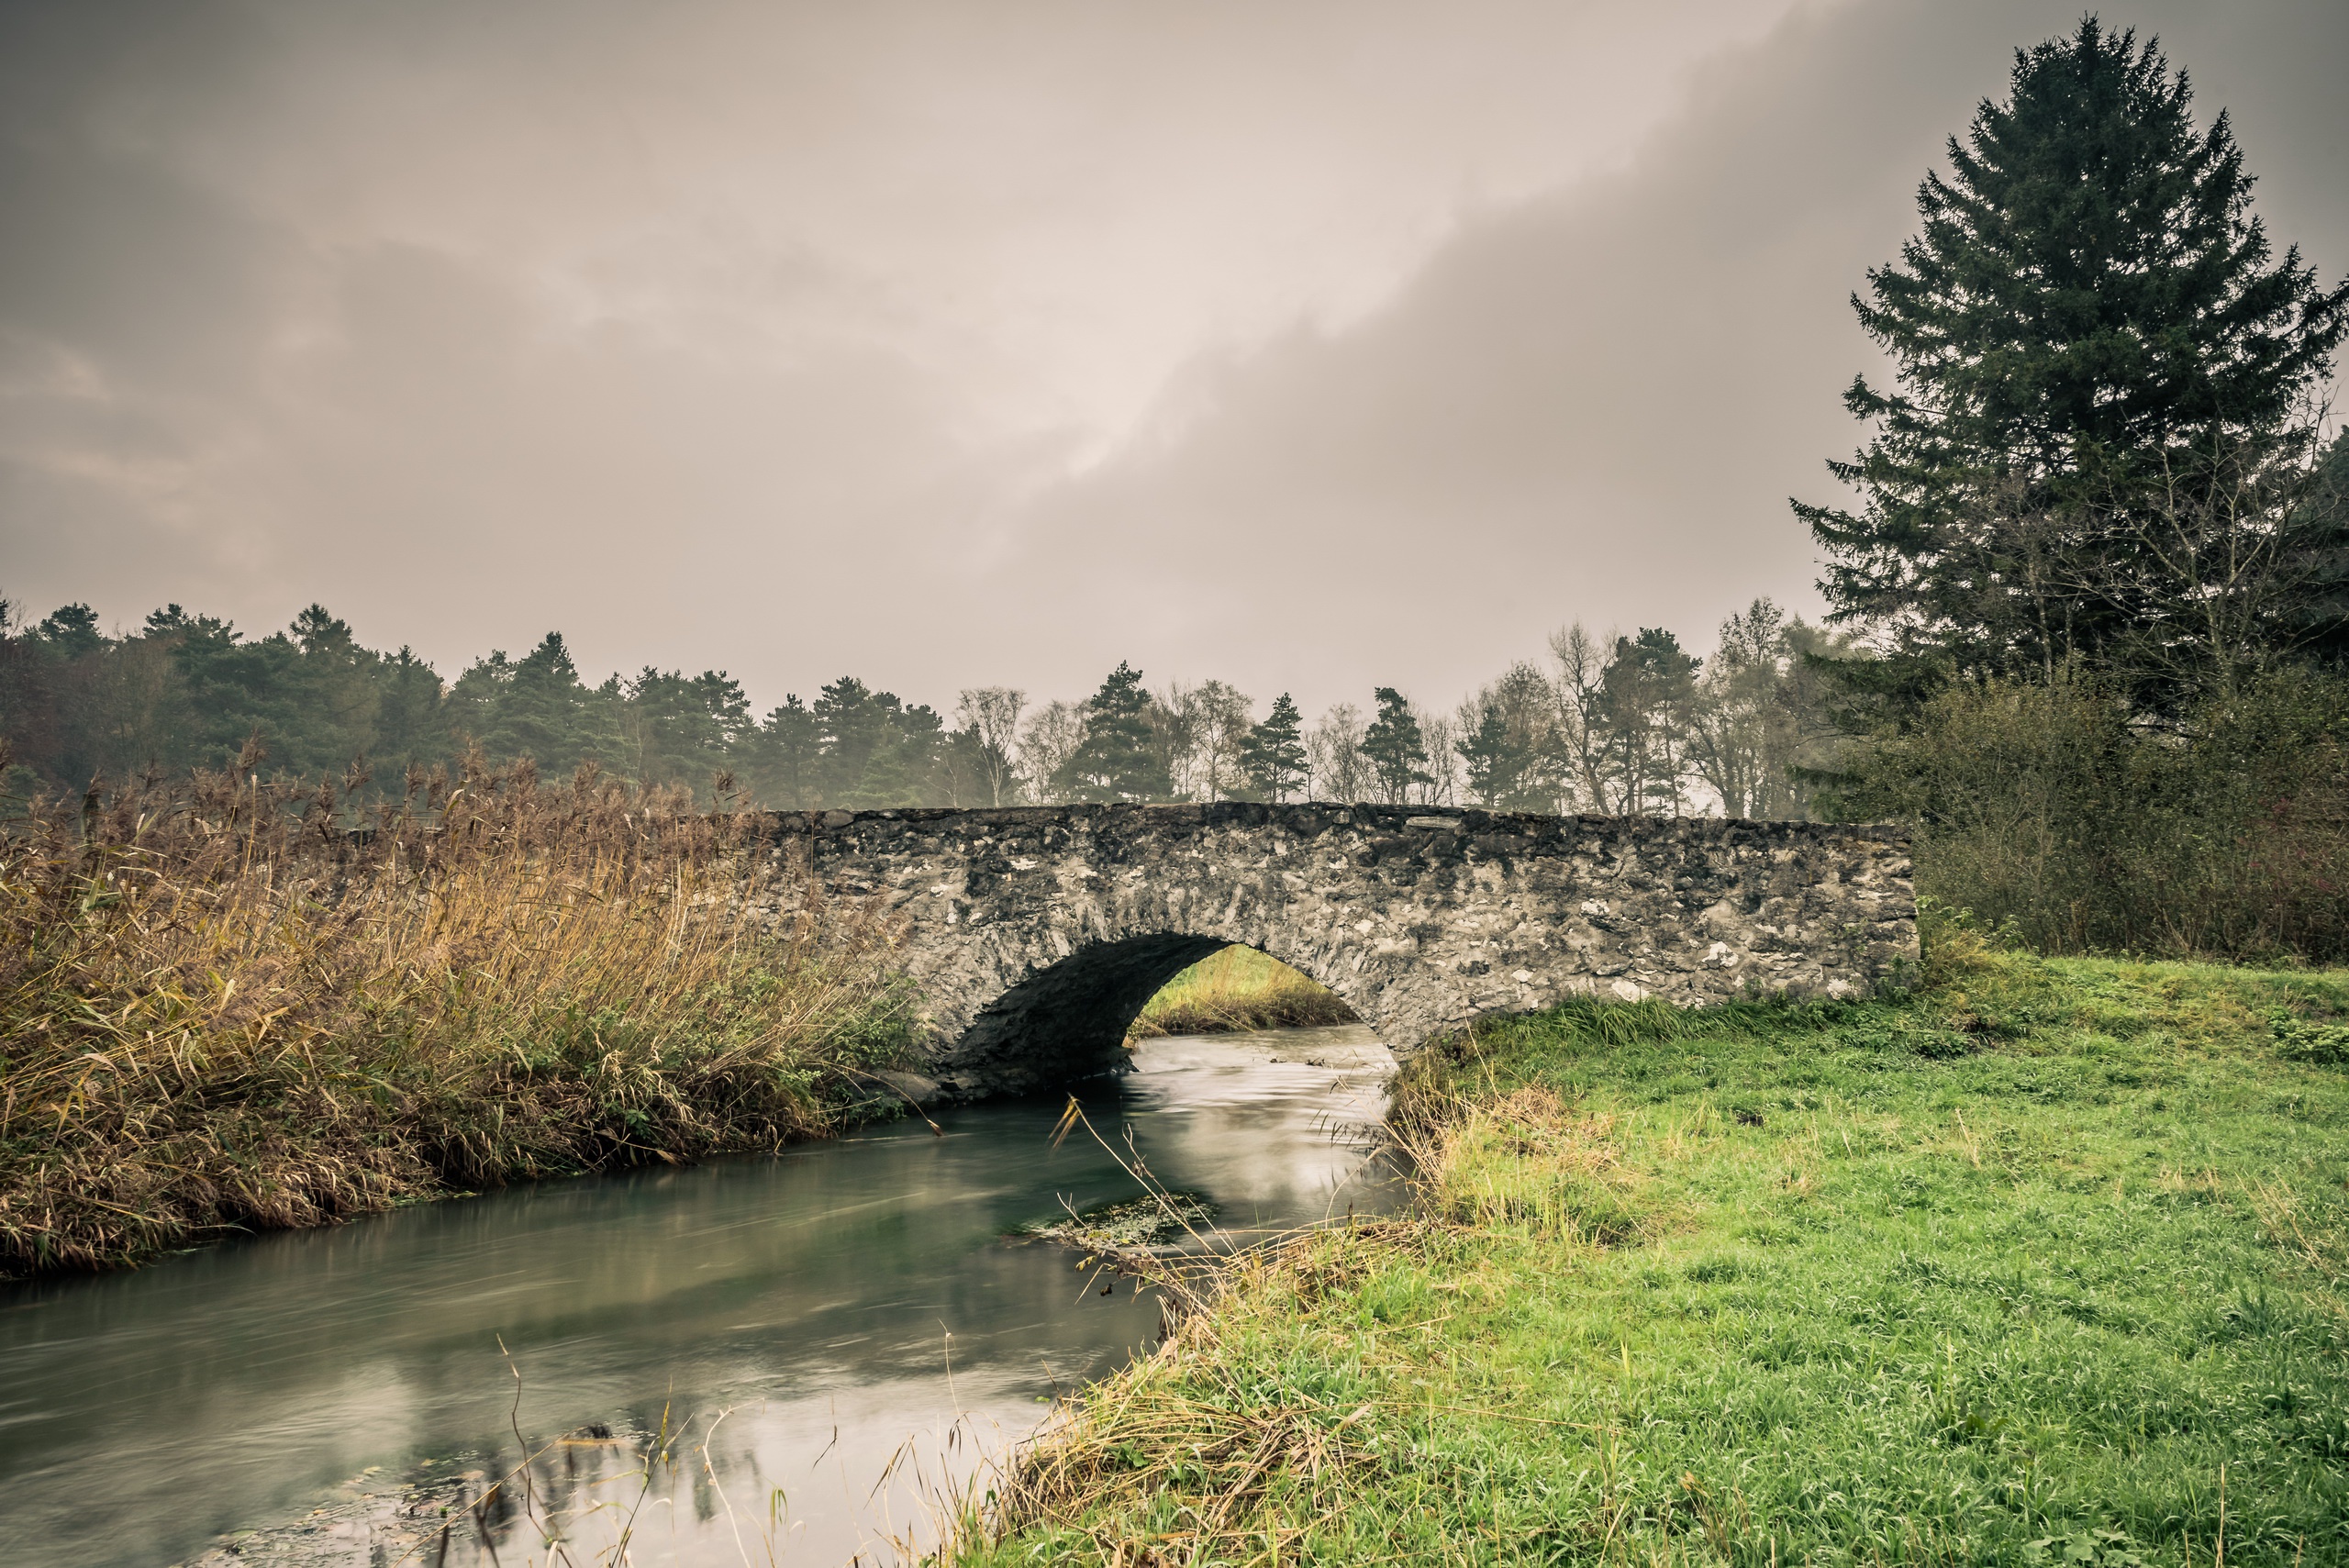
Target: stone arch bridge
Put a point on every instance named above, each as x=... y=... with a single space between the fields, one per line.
x=1036 y=933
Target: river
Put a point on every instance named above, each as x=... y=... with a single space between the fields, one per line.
x=834 y=1338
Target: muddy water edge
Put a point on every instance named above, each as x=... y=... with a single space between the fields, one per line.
x=819 y=1343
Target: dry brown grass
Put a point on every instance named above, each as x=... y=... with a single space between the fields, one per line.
x=223 y=1008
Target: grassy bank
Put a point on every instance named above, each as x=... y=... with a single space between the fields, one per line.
x=1237 y=988
x=221 y=1011
x=2042 y=1266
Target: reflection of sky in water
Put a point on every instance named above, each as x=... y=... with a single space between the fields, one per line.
x=811 y=1296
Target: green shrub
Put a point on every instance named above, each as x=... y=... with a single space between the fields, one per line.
x=2057 y=812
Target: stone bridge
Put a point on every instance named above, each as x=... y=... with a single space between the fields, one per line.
x=1036 y=933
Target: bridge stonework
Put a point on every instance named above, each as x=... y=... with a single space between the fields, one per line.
x=1036 y=933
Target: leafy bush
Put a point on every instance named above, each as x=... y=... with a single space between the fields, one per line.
x=2054 y=811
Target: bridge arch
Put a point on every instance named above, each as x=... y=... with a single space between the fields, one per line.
x=1069 y=1020
x=1036 y=933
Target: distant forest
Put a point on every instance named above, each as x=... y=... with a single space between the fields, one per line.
x=1615 y=724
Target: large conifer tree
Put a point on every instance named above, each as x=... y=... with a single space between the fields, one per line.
x=2089 y=324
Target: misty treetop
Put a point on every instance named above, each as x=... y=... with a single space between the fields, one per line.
x=1615 y=725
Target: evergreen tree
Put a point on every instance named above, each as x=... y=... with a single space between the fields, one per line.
x=873 y=751
x=327 y=708
x=411 y=729
x=1274 y=755
x=71 y=631
x=235 y=690
x=2316 y=541
x=784 y=757
x=2089 y=319
x=1493 y=763
x=905 y=770
x=1510 y=744
x=1645 y=695
x=1119 y=757
x=537 y=706
x=1397 y=751
x=676 y=730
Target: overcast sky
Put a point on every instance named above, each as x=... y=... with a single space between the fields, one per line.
x=1312 y=345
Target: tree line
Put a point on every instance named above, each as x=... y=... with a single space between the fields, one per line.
x=1614 y=725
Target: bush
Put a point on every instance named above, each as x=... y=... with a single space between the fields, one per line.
x=2056 y=811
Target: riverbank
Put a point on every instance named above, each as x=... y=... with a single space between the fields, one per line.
x=1237 y=990
x=2044 y=1265
x=224 y=1012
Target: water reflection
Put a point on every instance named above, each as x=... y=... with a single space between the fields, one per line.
x=797 y=1323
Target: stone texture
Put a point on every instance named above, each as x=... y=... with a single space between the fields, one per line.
x=1036 y=933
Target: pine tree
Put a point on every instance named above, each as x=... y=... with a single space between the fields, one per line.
x=1397 y=751
x=1645 y=693
x=2088 y=318
x=874 y=752
x=411 y=728
x=2316 y=540
x=1118 y=759
x=1493 y=762
x=785 y=757
x=1274 y=755
x=331 y=700
x=676 y=730
x=537 y=706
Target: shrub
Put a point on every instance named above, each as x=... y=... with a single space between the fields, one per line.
x=2055 y=810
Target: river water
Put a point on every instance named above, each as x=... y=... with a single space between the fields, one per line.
x=833 y=1339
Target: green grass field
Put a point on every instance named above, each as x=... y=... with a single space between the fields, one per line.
x=1237 y=988
x=2043 y=1265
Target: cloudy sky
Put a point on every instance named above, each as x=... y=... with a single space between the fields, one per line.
x=1310 y=345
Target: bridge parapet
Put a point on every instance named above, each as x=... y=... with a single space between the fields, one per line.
x=1036 y=933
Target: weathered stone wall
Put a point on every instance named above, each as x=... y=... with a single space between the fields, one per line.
x=1036 y=933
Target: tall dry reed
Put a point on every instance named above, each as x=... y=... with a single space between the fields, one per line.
x=227 y=1004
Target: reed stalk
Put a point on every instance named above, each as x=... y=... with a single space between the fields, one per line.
x=231 y=1005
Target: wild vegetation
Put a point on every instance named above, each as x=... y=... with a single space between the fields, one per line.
x=221 y=1009
x=2043 y=1264
x=1237 y=988
x=2049 y=807
x=2103 y=545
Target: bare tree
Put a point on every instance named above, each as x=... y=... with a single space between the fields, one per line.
x=1735 y=740
x=1580 y=691
x=1442 y=732
x=1216 y=720
x=1174 y=721
x=990 y=715
x=1051 y=738
x=1333 y=750
x=2209 y=572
